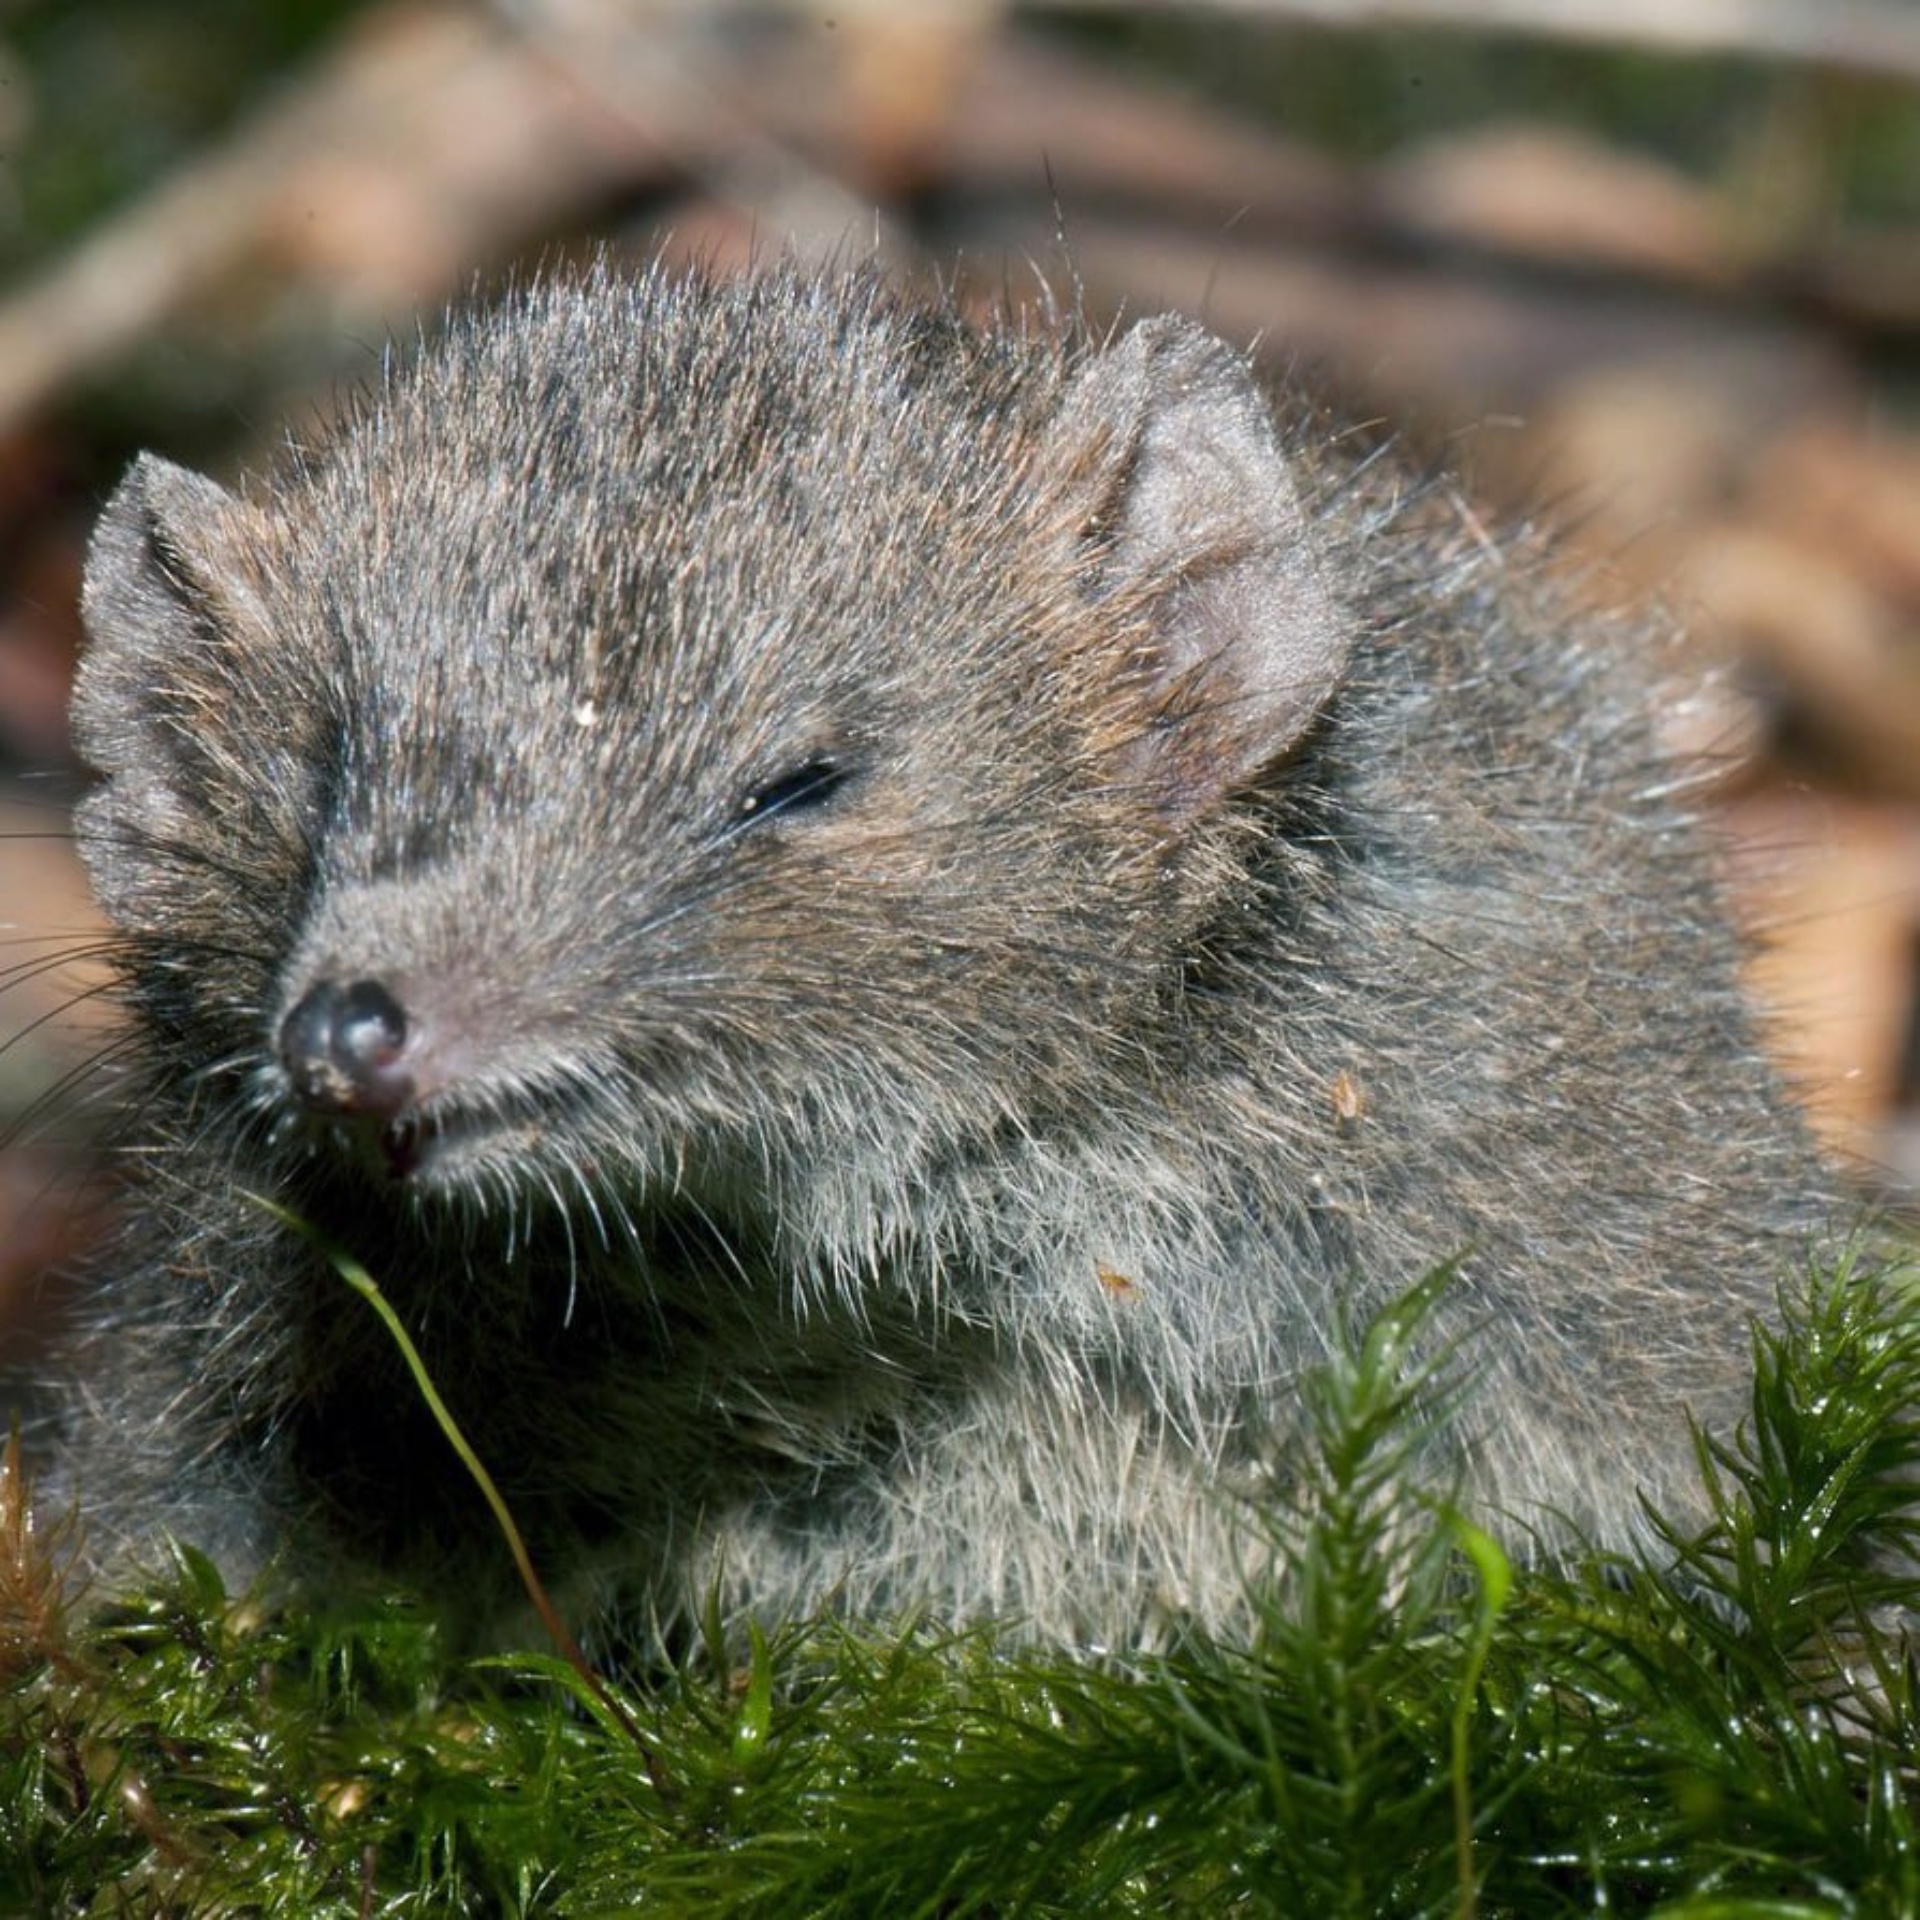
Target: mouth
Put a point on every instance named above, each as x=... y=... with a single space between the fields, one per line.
x=429 y=1148
x=410 y=1143
x=426 y=1148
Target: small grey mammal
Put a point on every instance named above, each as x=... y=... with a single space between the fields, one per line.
x=876 y=929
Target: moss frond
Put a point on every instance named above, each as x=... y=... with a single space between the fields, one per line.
x=1726 y=1726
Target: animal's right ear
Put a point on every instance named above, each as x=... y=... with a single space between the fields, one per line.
x=168 y=579
x=171 y=702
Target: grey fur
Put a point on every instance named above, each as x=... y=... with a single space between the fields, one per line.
x=1245 y=888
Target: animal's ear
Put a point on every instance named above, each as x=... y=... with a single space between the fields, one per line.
x=170 y=702
x=165 y=574
x=1198 y=539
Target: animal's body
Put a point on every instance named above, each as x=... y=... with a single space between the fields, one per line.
x=877 y=932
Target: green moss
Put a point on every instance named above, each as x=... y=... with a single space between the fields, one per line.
x=1417 y=1729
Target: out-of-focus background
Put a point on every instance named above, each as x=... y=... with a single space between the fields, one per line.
x=1651 y=267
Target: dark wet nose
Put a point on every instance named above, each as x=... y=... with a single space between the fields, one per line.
x=342 y=1047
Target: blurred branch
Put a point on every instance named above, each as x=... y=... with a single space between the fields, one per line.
x=438 y=134
x=454 y=127
x=139 y=266
x=1865 y=36
x=659 y=83
x=136 y=267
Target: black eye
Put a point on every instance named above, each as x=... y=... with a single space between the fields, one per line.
x=807 y=785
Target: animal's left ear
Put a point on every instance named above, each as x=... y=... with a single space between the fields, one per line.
x=1196 y=525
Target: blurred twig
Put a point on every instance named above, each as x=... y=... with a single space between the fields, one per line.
x=1866 y=36
x=652 y=80
x=463 y=127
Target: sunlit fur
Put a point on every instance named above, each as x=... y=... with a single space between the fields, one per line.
x=1244 y=889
